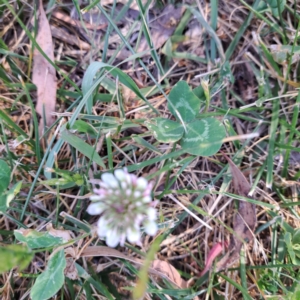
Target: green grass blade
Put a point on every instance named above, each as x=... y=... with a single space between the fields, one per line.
x=271 y=149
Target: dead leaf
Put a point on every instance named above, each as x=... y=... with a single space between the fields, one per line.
x=167 y=269
x=43 y=73
x=165 y=272
x=133 y=4
x=70 y=270
x=163 y=27
x=64 y=234
x=244 y=221
x=64 y=36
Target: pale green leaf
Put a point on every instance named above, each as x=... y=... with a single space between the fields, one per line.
x=4 y=176
x=288 y=240
x=282 y=53
x=83 y=127
x=203 y=137
x=34 y=239
x=52 y=279
x=183 y=104
x=165 y=130
x=8 y=196
x=14 y=256
x=141 y=286
x=276 y=10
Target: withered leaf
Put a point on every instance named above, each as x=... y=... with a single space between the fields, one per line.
x=244 y=221
x=159 y=268
x=43 y=73
x=70 y=270
x=163 y=27
x=170 y=271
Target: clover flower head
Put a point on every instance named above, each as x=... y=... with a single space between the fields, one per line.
x=124 y=202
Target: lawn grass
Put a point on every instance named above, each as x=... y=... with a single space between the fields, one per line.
x=240 y=60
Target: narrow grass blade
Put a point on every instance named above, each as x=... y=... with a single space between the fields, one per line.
x=214 y=22
x=209 y=30
x=293 y=127
x=271 y=149
x=82 y=147
x=240 y=32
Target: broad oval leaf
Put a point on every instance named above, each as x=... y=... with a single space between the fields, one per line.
x=14 y=256
x=183 y=104
x=34 y=239
x=52 y=279
x=204 y=137
x=275 y=8
x=165 y=130
x=4 y=176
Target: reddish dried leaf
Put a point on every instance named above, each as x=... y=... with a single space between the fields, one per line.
x=213 y=253
x=244 y=222
x=43 y=73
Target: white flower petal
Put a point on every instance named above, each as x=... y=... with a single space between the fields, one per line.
x=97 y=197
x=151 y=213
x=138 y=220
x=137 y=194
x=122 y=239
x=128 y=178
x=133 y=235
x=146 y=199
x=141 y=183
x=112 y=238
x=120 y=175
x=133 y=179
x=110 y=180
x=150 y=227
x=95 y=208
x=102 y=227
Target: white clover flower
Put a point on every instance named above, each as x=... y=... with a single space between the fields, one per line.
x=125 y=203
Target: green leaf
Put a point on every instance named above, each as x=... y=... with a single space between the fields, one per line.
x=225 y=72
x=141 y=286
x=204 y=137
x=281 y=53
x=4 y=176
x=83 y=127
x=296 y=242
x=165 y=130
x=34 y=239
x=7 y=197
x=89 y=82
x=289 y=245
x=14 y=256
x=82 y=147
x=274 y=6
x=183 y=104
x=296 y=237
x=52 y=279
